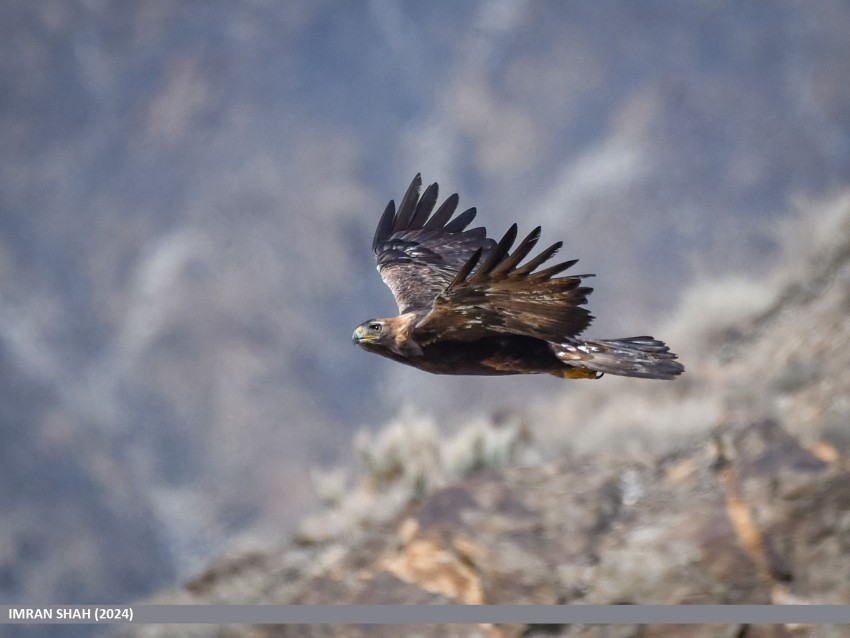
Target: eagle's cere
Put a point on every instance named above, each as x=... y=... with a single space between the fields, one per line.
x=468 y=305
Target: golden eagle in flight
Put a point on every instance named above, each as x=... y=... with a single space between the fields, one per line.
x=468 y=305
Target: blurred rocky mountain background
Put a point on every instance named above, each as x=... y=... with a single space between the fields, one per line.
x=187 y=195
x=732 y=487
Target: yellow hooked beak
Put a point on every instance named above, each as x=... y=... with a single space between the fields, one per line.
x=360 y=335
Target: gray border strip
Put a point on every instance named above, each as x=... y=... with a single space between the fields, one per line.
x=437 y=614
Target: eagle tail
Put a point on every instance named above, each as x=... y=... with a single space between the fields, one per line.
x=643 y=357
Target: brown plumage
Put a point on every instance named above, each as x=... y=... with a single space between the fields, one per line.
x=468 y=305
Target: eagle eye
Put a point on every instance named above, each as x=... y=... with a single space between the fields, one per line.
x=375 y=326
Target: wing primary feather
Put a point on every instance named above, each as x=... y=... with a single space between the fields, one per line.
x=496 y=256
x=385 y=226
x=542 y=257
x=519 y=254
x=443 y=214
x=408 y=204
x=463 y=273
x=424 y=207
x=554 y=270
x=461 y=221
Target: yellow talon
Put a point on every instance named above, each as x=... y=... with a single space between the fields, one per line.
x=577 y=373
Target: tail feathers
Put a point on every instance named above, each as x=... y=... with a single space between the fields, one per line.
x=643 y=357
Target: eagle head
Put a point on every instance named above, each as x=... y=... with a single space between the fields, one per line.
x=389 y=337
x=372 y=335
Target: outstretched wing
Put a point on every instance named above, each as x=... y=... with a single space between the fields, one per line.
x=493 y=294
x=419 y=254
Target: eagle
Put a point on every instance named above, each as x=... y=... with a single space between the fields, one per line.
x=469 y=304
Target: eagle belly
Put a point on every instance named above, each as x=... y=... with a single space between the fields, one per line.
x=490 y=356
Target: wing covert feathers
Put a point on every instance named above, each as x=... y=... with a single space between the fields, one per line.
x=493 y=294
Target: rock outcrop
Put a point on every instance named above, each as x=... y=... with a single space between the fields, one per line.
x=749 y=517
